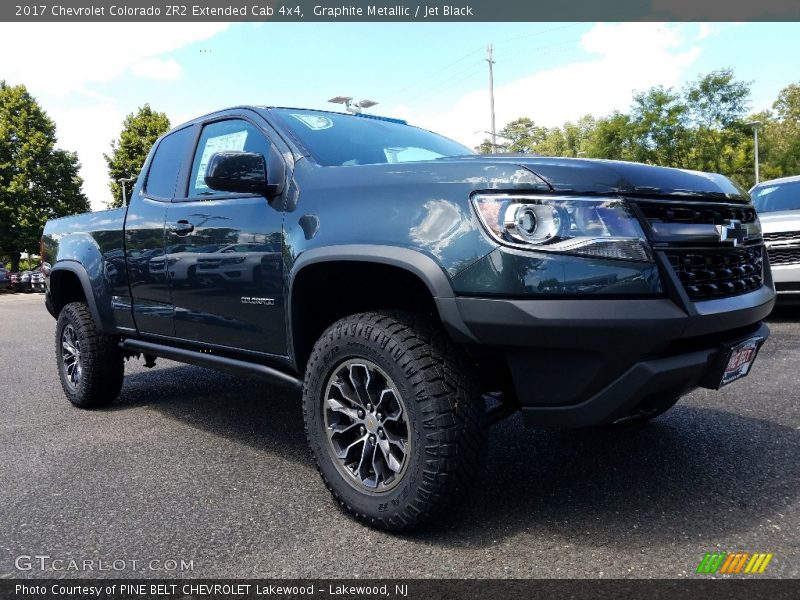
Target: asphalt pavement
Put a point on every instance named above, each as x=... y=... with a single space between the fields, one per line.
x=199 y=467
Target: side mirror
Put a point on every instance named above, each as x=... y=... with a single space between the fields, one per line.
x=239 y=172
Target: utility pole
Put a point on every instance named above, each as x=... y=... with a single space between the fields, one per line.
x=490 y=60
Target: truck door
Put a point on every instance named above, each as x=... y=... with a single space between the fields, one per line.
x=223 y=253
x=144 y=233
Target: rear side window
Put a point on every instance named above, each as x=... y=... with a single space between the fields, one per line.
x=162 y=178
x=221 y=136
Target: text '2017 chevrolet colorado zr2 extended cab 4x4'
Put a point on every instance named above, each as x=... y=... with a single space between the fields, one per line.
x=398 y=279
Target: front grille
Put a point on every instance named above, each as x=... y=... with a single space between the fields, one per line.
x=696 y=214
x=713 y=273
x=791 y=238
x=784 y=256
x=783 y=247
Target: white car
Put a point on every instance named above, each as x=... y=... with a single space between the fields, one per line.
x=249 y=263
x=778 y=205
x=179 y=262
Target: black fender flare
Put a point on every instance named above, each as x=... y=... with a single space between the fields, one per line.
x=415 y=262
x=77 y=269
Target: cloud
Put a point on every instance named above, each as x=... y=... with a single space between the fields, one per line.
x=59 y=64
x=53 y=59
x=624 y=58
x=154 y=68
x=706 y=30
x=90 y=142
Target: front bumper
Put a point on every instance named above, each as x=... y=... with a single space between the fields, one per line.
x=787 y=279
x=577 y=363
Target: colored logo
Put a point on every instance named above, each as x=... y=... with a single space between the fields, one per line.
x=734 y=562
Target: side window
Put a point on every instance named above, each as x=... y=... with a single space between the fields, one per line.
x=166 y=164
x=233 y=134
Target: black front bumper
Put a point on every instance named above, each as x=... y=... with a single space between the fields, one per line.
x=577 y=363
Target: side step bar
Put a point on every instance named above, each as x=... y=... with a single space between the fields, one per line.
x=222 y=363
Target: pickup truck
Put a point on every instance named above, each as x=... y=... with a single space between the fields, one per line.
x=411 y=290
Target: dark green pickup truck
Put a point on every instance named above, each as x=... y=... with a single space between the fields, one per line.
x=413 y=290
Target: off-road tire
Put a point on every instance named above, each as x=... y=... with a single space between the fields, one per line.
x=102 y=366
x=444 y=409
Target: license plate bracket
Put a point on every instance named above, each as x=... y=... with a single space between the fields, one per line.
x=737 y=359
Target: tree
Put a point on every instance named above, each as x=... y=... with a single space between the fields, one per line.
x=659 y=124
x=37 y=181
x=717 y=105
x=703 y=126
x=128 y=153
x=612 y=137
x=782 y=134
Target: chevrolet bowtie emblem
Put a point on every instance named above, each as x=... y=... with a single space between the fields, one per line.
x=733 y=232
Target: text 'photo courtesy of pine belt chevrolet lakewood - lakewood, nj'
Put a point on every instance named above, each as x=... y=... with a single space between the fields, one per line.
x=412 y=291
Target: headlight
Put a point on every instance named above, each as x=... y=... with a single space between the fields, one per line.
x=599 y=227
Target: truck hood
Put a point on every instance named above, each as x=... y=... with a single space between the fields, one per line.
x=590 y=176
x=778 y=222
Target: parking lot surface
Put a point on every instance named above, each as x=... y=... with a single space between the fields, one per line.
x=194 y=465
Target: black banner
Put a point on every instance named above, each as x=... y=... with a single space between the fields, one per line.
x=402 y=10
x=461 y=589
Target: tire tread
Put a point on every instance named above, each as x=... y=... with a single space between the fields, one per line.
x=447 y=396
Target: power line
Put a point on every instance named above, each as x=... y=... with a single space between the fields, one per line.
x=432 y=91
x=428 y=76
x=537 y=33
x=475 y=68
x=434 y=73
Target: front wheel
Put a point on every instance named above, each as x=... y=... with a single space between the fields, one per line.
x=90 y=365
x=393 y=417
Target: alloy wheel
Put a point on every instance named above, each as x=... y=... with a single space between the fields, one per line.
x=365 y=420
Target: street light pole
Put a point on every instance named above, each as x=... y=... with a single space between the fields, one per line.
x=755 y=125
x=123 y=181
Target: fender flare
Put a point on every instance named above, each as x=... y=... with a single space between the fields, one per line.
x=415 y=262
x=77 y=269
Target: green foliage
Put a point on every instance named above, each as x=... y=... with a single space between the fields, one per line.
x=703 y=127
x=780 y=139
x=37 y=181
x=128 y=153
x=25 y=264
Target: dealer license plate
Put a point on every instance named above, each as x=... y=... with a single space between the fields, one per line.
x=740 y=359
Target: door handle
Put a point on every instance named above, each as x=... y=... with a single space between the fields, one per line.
x=182 y=227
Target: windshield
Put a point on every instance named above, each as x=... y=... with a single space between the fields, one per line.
x=779 y=196
x=338 y=139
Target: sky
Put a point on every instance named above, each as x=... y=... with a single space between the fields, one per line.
x=87 y=77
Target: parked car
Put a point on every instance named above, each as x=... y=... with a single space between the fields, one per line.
x=415 y=278
x=21 y=281
x=5 y=282
x=179 y=262
x=36 y=278
x=778 y=205
x=249 y=263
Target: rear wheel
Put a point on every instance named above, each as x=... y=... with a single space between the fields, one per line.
x=393 y=417
x=90 y=365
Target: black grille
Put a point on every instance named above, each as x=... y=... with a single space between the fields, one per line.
x=784 y=256
x=719 y=272
x=696 y=213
